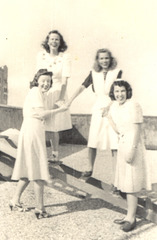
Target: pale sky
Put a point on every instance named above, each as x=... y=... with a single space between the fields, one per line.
x=126 y=27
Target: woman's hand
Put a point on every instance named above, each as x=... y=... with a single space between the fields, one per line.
x=131 y=155
x=60 y=109
x=39 y=116
x=67 y=104
x=105 y=111
x=59 y=103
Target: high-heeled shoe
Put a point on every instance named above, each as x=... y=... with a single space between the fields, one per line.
x=119 y=221
x=41 y=214
x=127 y=226
x=86 y=174
x=17 y=207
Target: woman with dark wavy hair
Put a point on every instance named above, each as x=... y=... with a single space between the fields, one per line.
x=101 y=77
x=31 y=161
x=55 y=59
x=121 y=83
x=131 y=175
x=62 y=46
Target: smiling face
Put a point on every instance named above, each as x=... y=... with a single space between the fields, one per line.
x=120 y=94
x=44 y=83
x=54 y=41
x=104 y=60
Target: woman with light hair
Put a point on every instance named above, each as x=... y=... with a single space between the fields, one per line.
x=101 y=135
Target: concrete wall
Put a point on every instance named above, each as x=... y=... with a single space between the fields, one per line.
x=11 y=117
x=3 y=85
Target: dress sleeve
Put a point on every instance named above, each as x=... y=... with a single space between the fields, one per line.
x=137 y=115
x=32 y=102
x=35 y=98
x=66 y=70
x=119 y=74
x=88 y=81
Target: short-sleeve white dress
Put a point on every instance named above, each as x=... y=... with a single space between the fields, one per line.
x=101 y=134
x=129 y=177
x=31 y=160
x=61 y=67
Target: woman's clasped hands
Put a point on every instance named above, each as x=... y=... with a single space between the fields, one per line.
x=42 y=115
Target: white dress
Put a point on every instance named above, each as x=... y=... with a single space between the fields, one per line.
x=101 y=134
x=31 y=160
x=60 y=66
x=132 y=177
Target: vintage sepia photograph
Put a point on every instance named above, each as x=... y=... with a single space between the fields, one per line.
x=78 y=120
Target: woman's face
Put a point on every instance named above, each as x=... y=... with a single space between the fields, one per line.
x=44 y=83
x=104 y=60
x=54 y=41
x=120 y=94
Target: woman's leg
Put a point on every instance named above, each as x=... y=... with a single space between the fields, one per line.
x=91 y=160
x=55 y=144
x=114 y=162
x=91 y=157
x=39 y=192
x=132 y=207
x=21 y=186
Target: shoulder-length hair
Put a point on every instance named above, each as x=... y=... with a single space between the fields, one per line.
x=63 y=46
x=34 y=82
x=121 y=83
x=113 y=61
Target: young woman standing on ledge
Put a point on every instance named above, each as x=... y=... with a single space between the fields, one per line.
x=132 y=172
x=55 y=58
x=31 y=162
x=101 y=77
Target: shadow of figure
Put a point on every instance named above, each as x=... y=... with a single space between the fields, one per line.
x=85 y=205
x=96 y=204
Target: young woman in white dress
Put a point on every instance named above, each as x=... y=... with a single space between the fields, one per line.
x=101 y=135
x=31 y=162
x=55 y=59
x=131 y=175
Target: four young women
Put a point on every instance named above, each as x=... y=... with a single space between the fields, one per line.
x=115 y=124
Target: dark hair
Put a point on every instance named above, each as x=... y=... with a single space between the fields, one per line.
x=40 y=72
x=63 y=46
x=121 y=83
x=113 y=62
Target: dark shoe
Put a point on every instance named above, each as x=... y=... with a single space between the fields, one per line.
x=41 y=214
x=114 y=190
x=55 y=162
x=86 y=174
x=116 y=193
x=119 y=221
x=127 y=226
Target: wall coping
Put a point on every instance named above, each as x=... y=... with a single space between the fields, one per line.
x=73 y=114
x=9 y=106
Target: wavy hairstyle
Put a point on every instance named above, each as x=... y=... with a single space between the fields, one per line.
x=121 y=83
x=113 y=62
x=63 y=46
x=40 y=72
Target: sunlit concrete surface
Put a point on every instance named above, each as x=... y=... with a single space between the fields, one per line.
x=74 y=214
